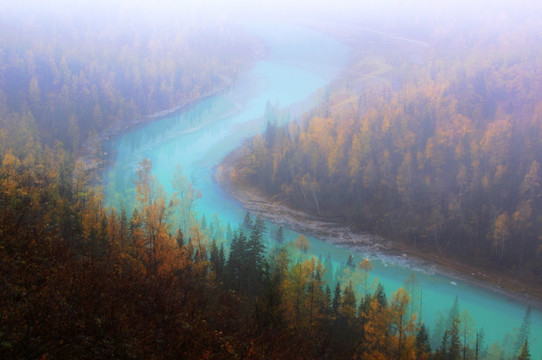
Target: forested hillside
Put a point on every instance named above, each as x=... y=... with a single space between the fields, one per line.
x=448 y=159
x=75 y=70
x=80 y=280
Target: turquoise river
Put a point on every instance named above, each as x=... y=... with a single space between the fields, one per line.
x=298 y=64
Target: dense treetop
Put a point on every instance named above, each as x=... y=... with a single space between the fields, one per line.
x=79 y=280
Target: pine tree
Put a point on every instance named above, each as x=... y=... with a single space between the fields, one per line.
x=280 y=235
x=479 y=352
x=523 y=332
x=454 y=311
x=327 y=300
x=315 y=290
x=247 y=221
x=466 y=332
x=214 y=259
x=423 y=348
x=336 y=299
x=345 y=326
x=350 y=261
x=221 y=260
x=255 y=257
x=269 y=312
x=229 y=233
x=237 y=261
x=258 y=227
x=179 y=238
x=348 y=303
x=443 y=349
x=380 y=296
x=454 y=350
x=524 y=353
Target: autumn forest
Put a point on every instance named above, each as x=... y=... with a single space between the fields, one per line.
x=429 y=136
x=450 y=161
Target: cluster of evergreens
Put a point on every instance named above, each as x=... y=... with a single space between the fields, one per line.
x=449 y=161
x=80 y=280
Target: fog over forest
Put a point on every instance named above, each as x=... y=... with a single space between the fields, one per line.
x=280 y=179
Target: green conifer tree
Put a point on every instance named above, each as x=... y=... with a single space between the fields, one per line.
x=423 y=348
x=336 y=299
x=524 y=353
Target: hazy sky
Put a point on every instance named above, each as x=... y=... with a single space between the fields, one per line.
x=294 y=7
x=410 y=12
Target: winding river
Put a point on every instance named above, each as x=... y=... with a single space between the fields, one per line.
x=299 y=63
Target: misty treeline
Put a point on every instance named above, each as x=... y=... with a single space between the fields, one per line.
x=448 y=159
x=80 y=280
x=74 y=70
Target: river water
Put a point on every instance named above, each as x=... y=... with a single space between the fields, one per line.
x=298 y=64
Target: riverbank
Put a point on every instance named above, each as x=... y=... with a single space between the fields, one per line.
x=371 y=70
x=373 y=245
x=91 y=157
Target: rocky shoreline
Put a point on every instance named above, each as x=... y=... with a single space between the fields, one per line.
x=374 y=245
